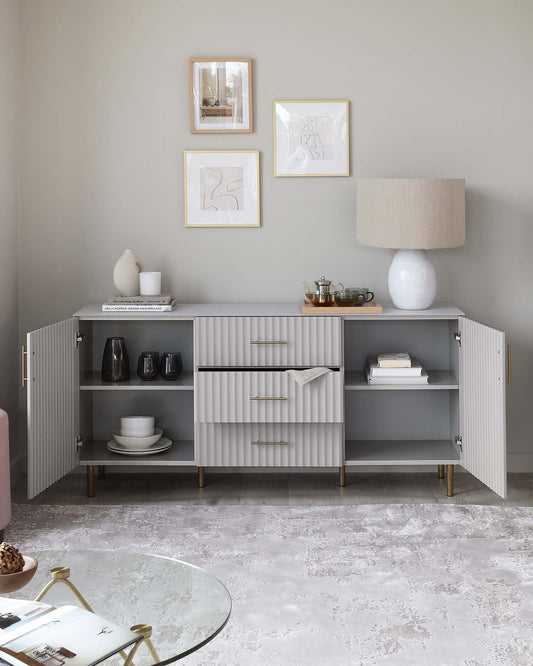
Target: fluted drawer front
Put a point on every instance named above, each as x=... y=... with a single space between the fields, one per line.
x=267 y=397
x=268 y=342
x=269 y=445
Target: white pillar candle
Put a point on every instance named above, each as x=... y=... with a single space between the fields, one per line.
x=150 y=283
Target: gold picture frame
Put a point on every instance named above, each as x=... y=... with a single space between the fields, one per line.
x=220 y=95
x=222 y=188
x=311 y=138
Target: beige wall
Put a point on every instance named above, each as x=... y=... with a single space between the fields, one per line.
x=438 y=88
x=9 y=365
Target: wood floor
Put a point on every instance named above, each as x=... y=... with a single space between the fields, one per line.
x=279 y=489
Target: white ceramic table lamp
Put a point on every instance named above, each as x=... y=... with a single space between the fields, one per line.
x=411 y=215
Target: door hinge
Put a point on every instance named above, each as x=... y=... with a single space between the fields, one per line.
x=459 y=442
x=457 y=336
x=80 y=441
x=80 y=337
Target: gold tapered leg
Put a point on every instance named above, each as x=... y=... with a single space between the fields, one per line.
x=90 y=480
x=342 y=476
x=441 y=471
x=101 y=471
x=449 y=479
x=201 y=477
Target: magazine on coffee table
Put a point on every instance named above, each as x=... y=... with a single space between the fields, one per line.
x=35 y=633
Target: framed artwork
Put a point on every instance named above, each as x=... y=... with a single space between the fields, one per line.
x=311 y=138
x=221 y=95
x=222 y=188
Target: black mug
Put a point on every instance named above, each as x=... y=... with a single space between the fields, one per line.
x=148 y=365
x=115 y=361
x=171 y=365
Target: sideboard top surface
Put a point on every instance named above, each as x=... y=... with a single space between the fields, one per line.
x=188 y=311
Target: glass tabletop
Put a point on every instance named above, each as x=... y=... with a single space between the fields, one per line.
x=186 y=606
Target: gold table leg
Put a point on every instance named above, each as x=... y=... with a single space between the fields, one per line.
x=61 y=575
x=449 y=479
x=201 y=477
x=101 y=471
x=144 y=630
x=90 y=480
x=342 y=476
x=441 y=471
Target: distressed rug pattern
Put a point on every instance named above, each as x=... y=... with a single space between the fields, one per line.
x=399 y=585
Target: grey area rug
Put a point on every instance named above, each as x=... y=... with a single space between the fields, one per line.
x=389 y=584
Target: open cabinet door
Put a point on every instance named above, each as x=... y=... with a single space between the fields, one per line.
x=482 y=400
x=53 y=404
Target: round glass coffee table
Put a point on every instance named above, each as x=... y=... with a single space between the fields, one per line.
x=185 y=606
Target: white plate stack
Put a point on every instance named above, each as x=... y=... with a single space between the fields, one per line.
x=138 y=436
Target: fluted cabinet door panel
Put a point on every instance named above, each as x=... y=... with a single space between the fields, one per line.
x=53 y=406
x=482 y=403
x=268 y=342
x=269 y=445
x=267 y=397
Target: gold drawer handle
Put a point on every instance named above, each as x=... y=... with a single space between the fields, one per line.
x=258 y=442
x=258 y=397
x=268 y=342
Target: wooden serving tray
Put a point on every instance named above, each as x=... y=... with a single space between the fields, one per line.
x=367 y=308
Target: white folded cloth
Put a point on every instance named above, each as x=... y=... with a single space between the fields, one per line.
x=303 y=377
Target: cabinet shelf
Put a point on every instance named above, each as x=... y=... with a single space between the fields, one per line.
x=181 y=453
x=437 y=380
x=401 y=452
x=93 y=382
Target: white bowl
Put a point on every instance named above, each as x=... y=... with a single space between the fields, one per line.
x=137 y=432
x=138 y=442
x=137 y=422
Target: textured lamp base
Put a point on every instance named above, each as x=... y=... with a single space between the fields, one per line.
x=412 y=281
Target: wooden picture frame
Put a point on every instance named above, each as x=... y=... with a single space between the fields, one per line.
x=222 y=188
x=311 y=138
x=220 y=95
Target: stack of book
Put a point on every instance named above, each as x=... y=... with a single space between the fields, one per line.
x=398 y=368
x=162 y=303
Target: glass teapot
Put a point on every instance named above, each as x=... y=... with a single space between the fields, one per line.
x=323 y=293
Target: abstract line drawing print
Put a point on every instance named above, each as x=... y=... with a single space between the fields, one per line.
x=311 y=137
x=311 y=141
x=221 y=188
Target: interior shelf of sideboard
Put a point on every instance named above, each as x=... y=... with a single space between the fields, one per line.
x=437 y=379
x=401 y=452
x=92 y=381
x=97 y=453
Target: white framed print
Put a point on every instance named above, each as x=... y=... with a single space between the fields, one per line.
x=222 y=188
x=311 y=138
x=220 y=95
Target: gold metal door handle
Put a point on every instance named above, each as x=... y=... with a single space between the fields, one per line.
x=258 y=397
x=261 y=443
x=508 y=352
x=268 y=342
x=23 y=354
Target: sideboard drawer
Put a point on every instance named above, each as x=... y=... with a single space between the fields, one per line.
x=267 y=397
x=269 y=444
x=289 y=342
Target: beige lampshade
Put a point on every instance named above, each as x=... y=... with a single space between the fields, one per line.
x=411 y=213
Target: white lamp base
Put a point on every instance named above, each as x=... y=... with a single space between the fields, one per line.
x=412 y=281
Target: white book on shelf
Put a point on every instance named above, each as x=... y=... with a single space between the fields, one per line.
x=415 y=369
x=420 y=379
x=394 y=360
x=131 y=307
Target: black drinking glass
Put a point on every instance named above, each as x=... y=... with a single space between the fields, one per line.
x=115 y=361
x=148 y=365
x=171 y=365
